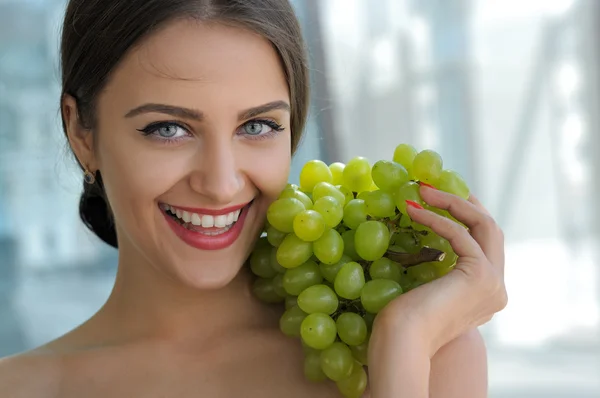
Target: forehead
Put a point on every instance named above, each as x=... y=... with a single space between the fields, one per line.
x=193 y=64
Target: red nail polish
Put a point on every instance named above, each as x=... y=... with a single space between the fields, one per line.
x=424 y=184
x=414 y=204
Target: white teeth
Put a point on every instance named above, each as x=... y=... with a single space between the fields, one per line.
x=208 y=221
x=196 y=220
x=220 y=221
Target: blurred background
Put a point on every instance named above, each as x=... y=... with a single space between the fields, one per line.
x=507 y=91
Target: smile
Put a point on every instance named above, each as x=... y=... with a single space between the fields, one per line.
x=205 y=221
x=204 y=228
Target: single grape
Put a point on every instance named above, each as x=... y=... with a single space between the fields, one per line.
x=264 y=290
x=312 y=173
x=323 y=189
x=380 y=204
x=290 y=321
x=309 y=225
x=278 y=285
x=406 y=282
x=372 y=240
x=377 y=293
x=354 y=386
x=452 y=182
x=275 y=236
x=442 y=268
x=435 y=241
x=312 y=367
x=296 y=280
x=389 y=176
x=349 y=248
x=318 y=331
x=329 y=271
x=357 y=175
x=293 y=251
x=407 y=242
x=337 y=361
x=349 y=281
x=404 y=154
x=408 y=191
x=274 y=263
x=329 y=248
x=384 y=268
x=361 y=352
x=428 y=166
x=351 y=328
x=369 y=319
x=355 y=213
x=423 y=273
x=348 y=195
x=318 y=298
x=290 y=301
x=296 y=194
x=260 y=262
x=363 y=195
x=337 y=171
x=282 y=212
x=404 y=221
x=331 y=210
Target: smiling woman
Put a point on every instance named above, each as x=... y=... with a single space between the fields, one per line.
x=184 y=116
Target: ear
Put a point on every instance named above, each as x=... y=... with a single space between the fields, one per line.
x=80 y=138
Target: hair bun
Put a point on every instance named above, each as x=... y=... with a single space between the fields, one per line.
x=95 y=212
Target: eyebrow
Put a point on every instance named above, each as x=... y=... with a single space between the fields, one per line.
x=193 y=114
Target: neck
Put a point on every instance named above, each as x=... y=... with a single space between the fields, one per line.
x=146 y=304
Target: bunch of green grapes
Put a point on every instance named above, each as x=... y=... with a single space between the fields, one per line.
x=340 y=246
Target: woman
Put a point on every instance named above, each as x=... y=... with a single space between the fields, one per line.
x=197 y=106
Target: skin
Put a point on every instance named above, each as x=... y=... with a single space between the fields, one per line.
x=179 y=320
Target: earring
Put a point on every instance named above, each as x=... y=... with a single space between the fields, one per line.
x=89 y=177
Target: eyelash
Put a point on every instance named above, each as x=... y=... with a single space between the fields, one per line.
x=152 y=128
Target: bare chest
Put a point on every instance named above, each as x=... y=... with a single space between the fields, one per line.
x=237 y=370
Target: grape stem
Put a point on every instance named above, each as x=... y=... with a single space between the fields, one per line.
x=426 y=255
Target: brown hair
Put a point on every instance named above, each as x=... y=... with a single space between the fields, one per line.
x=97 y=34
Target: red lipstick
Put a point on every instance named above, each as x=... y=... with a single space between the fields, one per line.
x=208 y=238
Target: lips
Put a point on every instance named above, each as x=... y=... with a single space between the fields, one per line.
x=206 y=231
x=197 y=219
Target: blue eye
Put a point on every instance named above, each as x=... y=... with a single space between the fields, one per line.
x=168 y=131
x=255 y=129
x=165 y=131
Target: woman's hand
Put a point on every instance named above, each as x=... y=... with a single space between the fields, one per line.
x=423 y=320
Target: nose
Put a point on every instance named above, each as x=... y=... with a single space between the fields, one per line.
x=218 y=176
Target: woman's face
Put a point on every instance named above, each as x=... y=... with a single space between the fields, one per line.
x=193 y=134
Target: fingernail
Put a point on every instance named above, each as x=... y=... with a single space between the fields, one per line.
x=414 y=204
x=424 y=184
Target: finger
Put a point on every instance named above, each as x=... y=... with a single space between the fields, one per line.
x=463 y=244
x=478 y=204
x=482 y=226
x=499 y=257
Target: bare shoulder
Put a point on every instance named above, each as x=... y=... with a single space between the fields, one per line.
x=459 y=369
x=29 y=375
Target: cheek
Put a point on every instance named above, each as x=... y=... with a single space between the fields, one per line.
x=134 y=176
x=270 y=172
